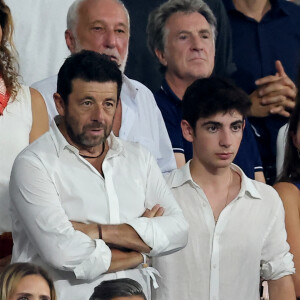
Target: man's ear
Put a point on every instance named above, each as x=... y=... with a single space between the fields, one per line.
x=70 y=41
x=187 y=131
x=161 y=57
x=60 y=104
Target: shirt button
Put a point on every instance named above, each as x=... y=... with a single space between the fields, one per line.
x=214 y=266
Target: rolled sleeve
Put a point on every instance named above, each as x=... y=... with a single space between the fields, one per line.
x=277 y=261
x=101 y=256
x=168 y=233
x=42 y=226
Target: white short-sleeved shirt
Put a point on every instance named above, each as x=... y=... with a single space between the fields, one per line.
x=225 y=260
x=52 y=184
x=142 y=121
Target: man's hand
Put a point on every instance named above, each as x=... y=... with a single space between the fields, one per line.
x=275 y=94
x=156 y=211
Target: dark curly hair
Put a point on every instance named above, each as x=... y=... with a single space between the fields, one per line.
x=8 y=63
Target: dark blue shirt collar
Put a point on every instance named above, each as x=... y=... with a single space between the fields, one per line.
x=277 y=6
x=166 y=88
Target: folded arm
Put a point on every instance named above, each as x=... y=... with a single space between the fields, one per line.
x=37 y=207
x=160 y=230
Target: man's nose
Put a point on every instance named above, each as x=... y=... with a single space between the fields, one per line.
x=98 y=113
x=110 y=39
x=197 y=43
x=226 y=138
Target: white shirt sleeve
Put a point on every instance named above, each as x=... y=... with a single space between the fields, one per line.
x=168 y=233
x=277 y=261
x=36 y=204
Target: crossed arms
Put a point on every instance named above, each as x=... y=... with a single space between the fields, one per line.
x=47 y=232
x=125 y=244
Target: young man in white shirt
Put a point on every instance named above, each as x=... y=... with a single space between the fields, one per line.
x=85 y=204
x=237 y=232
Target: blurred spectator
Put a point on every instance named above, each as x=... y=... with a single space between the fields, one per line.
x=266 y=51
x=124 y=288
x=26 y=281
x=23 y=118
x=39 y=36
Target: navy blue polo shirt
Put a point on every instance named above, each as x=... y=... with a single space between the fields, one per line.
x=247 y=158
x=256 y=47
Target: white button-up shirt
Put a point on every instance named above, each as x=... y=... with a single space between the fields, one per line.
x=225 y=260
x=142 y=121
x=52 y=184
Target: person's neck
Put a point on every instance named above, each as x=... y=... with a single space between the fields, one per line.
x=209 y=178
x=177 y=85
x=255 y=9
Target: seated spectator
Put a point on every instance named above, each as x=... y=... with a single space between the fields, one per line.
x=124 y=288
x=266 y=66
x=288 y=187
x=23 y=118
x=182 y=35
x=26 y=281
x=237 y=232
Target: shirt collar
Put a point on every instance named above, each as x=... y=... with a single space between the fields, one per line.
x=183 y=175
x=115 y=145
x=166 y=88
x=128 y=88
x=277 y=5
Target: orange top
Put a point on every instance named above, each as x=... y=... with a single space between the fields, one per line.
x=4 y=96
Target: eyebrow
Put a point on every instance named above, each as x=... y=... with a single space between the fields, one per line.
x=219 y=124
x=205 y=31
x=30 y=295
x=104 y=23
x=202 y=31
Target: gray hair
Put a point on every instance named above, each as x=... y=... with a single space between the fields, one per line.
x=156 y=30
x=72 y=16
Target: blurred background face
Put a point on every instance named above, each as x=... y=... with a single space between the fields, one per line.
x=103 y=27
x=31 y=287
x=189 y=46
